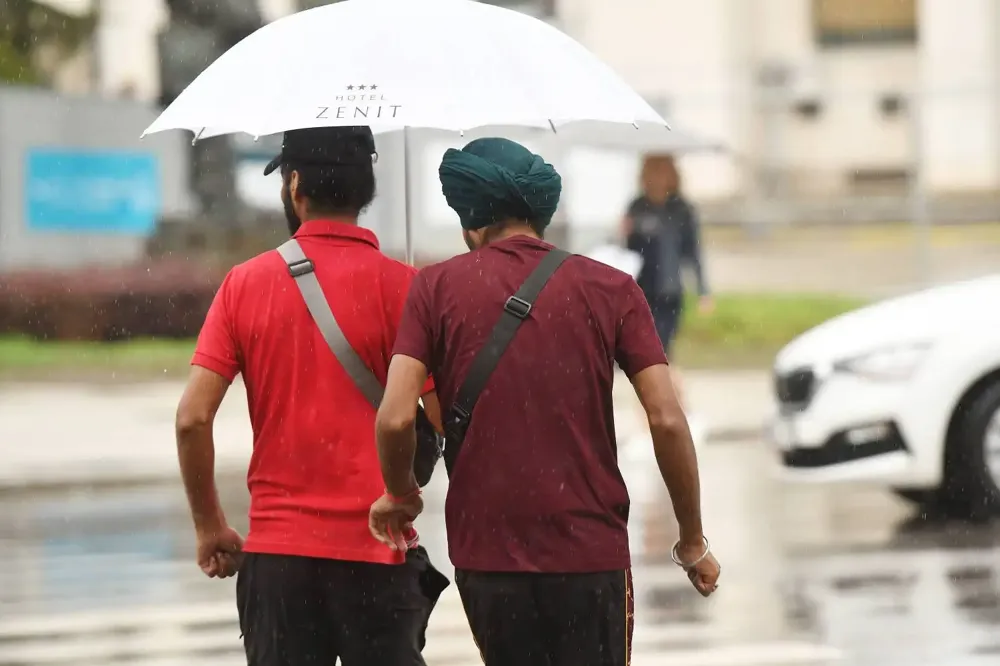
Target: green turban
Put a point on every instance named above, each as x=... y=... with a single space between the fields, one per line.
x=491 y=180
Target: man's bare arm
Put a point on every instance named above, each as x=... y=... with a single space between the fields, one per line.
x=675 y=454
x=196 y=446
x=395 y=430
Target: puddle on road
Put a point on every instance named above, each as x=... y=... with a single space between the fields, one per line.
x=881 y=590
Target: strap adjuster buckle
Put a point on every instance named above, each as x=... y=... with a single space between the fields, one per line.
x=518 y=307
x=300 y=268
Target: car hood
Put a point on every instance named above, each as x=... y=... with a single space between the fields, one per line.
x=920 y=317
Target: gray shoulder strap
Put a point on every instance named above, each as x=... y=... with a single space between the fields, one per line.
x=303 y=271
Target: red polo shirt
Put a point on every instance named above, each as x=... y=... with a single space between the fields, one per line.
x=314 y=472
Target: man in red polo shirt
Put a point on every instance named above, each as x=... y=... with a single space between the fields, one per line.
x=314 y=585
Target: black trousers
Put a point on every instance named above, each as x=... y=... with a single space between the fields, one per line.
x=525 y=619
x=301 y=611
x=667 y=310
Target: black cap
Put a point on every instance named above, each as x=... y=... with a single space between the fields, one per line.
x=329 y=146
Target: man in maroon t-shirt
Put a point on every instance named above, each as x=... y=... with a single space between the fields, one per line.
x=537 y=510
x=314 y=585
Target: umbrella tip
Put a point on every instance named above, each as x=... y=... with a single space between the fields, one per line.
x=553 y=126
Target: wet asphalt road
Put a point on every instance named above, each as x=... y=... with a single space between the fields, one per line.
x=810 y=576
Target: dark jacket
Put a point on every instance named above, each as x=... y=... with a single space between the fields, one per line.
x=667 y=236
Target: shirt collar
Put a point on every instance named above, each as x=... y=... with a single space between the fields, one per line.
x=523 y=239
x=337 y=229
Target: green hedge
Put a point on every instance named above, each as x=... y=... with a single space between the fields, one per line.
x=749 y=329
x=743 y=331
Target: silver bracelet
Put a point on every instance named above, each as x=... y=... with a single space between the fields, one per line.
x=689 y=565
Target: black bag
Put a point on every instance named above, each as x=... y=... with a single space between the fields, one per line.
x=515 y=310
x=429 y=442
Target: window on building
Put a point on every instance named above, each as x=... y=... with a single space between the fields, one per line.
x=537 y=8
x=865 y=22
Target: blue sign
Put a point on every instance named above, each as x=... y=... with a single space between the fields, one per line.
x=86 y=191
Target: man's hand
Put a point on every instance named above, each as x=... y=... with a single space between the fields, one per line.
x=391 y=519
x=220 y=552
x=704 y=574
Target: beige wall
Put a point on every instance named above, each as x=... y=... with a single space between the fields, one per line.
x=960 y=62
x=703 y=57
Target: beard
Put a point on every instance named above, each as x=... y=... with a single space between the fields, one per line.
x=290 y=216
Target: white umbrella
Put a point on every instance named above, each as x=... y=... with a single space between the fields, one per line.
x=396 y=64
x=676 y=142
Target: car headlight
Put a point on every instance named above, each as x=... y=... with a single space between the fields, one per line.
x=887 y=364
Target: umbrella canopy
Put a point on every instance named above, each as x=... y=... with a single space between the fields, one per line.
x=623 y=137
x=391 y=64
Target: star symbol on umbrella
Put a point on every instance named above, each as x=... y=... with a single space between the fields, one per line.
x=373 y=87
x=362 y=87
x=350 y=87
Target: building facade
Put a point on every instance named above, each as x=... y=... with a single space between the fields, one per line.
x=815 y=98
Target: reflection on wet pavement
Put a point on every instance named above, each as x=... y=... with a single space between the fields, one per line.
x=810 y=576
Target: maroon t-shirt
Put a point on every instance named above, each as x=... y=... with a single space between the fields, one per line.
x=536 y=486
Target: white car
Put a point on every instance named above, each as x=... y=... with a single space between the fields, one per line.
x=903 y=393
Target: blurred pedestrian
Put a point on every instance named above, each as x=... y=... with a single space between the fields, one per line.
x=663 y=227
x=537 y=509
x=313 y=585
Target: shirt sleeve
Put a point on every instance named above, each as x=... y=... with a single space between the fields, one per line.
x=217 y=349
x=416 y=328
x=399 y=317
x=638 y=345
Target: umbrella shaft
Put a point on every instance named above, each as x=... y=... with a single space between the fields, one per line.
x=407 y=212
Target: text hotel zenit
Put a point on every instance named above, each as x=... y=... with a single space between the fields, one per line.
x=359 y=106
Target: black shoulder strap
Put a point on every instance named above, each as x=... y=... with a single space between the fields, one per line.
x=515 y=310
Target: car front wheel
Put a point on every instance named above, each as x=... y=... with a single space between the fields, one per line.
x=972 y=458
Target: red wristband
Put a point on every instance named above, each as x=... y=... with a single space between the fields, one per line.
x=401 y=499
